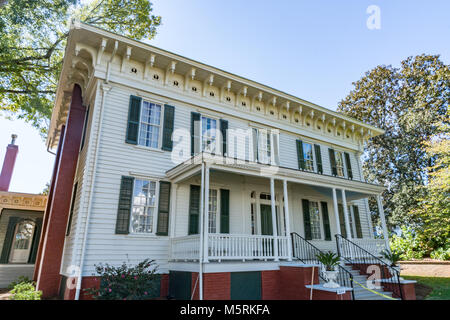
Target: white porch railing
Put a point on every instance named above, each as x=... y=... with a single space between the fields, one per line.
x=185 y=248
x=230 y=247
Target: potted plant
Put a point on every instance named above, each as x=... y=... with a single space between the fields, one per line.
x=393 y=257
x=330 y=261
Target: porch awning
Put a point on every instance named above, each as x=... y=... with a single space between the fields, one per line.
x=191 y=167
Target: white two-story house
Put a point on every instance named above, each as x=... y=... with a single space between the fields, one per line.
x=220 y=179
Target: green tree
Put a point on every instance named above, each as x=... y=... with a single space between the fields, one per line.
x=410 y=103
x=433 y=212
x=33 y=34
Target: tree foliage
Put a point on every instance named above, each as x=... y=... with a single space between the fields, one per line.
x=410 y=103
x=33 y=34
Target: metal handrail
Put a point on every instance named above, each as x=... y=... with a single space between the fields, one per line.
x=361 y=259
x=345 y=278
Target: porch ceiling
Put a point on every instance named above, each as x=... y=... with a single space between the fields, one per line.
x=323 y=183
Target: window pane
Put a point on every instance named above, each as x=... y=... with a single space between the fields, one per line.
x=212 y=211
x=209 y=134
x=315 y=220
x=264 y=146
x=150 y=124
x=339 y=164
x=308 y=156
x=144 y=206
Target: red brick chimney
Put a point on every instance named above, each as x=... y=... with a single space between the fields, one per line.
x=8 y=164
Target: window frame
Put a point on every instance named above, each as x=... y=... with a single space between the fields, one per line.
x=314 y=162
x=155 y=212
x=161 y=124
x=320 y=219
x=273 y=153
x=344 y=168
x=217 y=214
x=217 y=149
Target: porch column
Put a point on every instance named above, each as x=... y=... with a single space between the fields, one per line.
x=274 y=219
x=347 y=221
x=206 y=219
x=201 y=233
x=336 y=212
x=286 y=214
x=383 y=222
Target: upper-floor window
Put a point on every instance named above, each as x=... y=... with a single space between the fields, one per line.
x=209 y=135
x=144 y=206
x=150 y=125
x=265 y=145
x=308 y=156
x=339 y=163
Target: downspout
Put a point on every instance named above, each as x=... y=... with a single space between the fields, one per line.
x=91 y=193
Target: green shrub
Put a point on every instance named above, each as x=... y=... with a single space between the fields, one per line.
x=25 y=291
x=329 y=259
x=407 y=245
x=138 y=282
x=441 y=254
x=20 y=279
x=392 y=256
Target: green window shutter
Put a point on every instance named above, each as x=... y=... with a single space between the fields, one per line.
x=86 y=121
x=35 y=241
x=194 y=209
x=300 y=155
x=125 y=202
x=195 y=135
x=306 y=219
x=223 y=131
x=342 y=220
x=168 y=125
x=163 y=208
x=357 y=222
x=4 y=258
x=349 y=165
x=318 y=158
x=326 y=221
x=332 y=161
x=72 y=205
x=134 y=113
x=224 y=211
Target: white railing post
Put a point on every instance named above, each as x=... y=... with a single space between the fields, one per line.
x=287 y=219
x=383 y=221
x=274 y=219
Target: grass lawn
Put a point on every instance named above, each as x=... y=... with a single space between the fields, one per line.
x=431 y=288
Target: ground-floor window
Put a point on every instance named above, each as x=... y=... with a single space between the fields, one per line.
x=212 y=207
x=314 y=214
x=144 y=206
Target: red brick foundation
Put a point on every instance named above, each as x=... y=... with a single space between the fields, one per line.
x=270 y=285
x=408 y=289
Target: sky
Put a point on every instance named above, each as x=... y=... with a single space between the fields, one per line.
x=311 y=49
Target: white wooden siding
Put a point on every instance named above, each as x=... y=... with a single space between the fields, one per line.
x=117 y=158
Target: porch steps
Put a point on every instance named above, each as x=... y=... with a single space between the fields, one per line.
x=360 y=292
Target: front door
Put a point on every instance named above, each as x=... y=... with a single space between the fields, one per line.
x=266 y=220
x=21 y=245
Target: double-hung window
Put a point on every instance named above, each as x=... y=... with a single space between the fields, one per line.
x=143 y=214
x=308 y=156
x=314 y=214
x=266 y=146
x=339 y=163
x=150 y=125
x=209 y=135
x=212 y=207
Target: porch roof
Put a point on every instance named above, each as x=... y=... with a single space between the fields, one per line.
x=191 y=167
